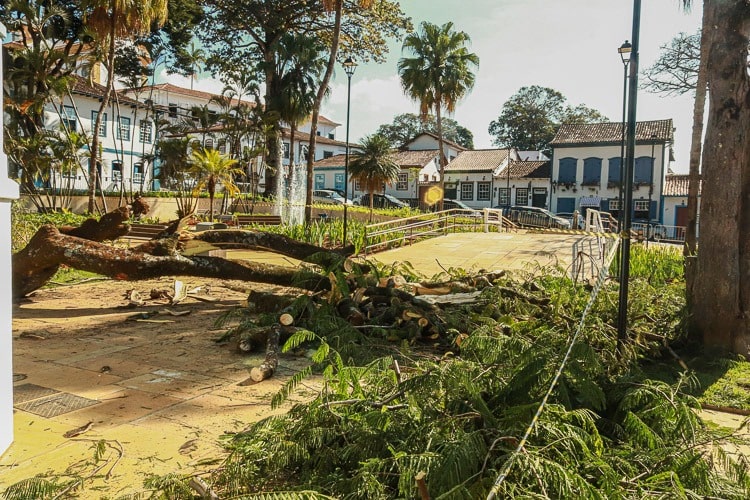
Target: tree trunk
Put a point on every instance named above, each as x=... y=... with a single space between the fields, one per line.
x=336 y=36
x=93 y=161
x=441 y=154
x=49 y=248
x=721 y=295
x=694 y=180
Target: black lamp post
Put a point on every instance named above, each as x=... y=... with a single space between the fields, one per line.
x=622 y=313
x=624 y=50
x=349 y=67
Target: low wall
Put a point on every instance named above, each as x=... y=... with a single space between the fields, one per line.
x=165 y=209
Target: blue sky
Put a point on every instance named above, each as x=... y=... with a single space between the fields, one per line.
x=568 y=45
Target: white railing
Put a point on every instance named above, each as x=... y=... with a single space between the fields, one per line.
x=398 y=232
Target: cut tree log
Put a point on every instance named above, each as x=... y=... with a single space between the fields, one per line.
x=267 y=368
x=36 y=263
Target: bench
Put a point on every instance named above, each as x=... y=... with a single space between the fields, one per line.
x=258 y=220
x=144 y=231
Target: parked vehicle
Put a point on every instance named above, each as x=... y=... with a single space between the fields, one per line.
x=329 y=196
x=534 y=217
x=380 y=201
x=569 y=217
x=460 y=205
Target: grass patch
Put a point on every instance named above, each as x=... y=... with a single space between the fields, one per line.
x=721 y=381
x=69 y=276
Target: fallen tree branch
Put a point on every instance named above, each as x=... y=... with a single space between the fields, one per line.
x=49 y=248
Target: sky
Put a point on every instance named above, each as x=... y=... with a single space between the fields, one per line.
x=568 y=45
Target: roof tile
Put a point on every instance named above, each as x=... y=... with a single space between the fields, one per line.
x=677 y=185
x=478 y=160
x=527 y=169
x=611 y=132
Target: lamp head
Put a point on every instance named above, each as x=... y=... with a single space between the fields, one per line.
x=349 y=66
x=625 y=50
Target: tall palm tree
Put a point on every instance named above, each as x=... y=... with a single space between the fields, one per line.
x=212 y=168
x=438 y=74
x=196 y=58
x=301 y=62
x=110 y=21
x=374 y=166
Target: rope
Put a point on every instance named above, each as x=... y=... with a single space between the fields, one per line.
x=509 y=463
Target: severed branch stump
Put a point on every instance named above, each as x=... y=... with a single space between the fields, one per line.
x=267 y=368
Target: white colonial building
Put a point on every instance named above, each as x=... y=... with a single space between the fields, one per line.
x=586 y=162
x=473 y=176
x=126 y=135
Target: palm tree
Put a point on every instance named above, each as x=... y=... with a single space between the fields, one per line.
x=110 y=21
x=374 y=166
x=212 y=168
x=196 y=58
x=301 y=65
x=438 y=74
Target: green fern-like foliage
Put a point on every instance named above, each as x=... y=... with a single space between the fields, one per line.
x=36 y=488
x=458 y=418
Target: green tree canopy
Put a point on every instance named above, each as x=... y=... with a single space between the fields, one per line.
x=531 y=117
x=247 y=34
x=408 y=125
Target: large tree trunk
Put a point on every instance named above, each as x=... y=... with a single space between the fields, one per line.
x=699 y=105
x=721 y=295
x=79 y=247
x=442 y=159
x=336 y=36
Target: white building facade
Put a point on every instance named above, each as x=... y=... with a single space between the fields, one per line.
x=586 y=166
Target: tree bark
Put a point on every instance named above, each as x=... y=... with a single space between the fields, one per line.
x=721 y=295
x=48 y=249
x=694 y=178
x=267 y=368
x=335 y=38
x=267 y=241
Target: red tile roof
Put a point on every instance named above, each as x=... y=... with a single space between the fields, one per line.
x=82 y=86
x=404 y=159
x=415 y=158
x=527 y=170
x=611 y=133
x=478 y=160
x=677 y=185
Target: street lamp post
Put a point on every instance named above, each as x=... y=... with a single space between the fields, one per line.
x=349 y=67
x=624 y=50
x=622 y=312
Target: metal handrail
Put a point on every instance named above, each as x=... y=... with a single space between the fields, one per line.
x=431 y=224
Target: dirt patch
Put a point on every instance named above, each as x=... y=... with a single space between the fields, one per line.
x=162 y=387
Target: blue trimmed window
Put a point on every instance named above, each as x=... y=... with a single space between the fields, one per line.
x=613 y=176
x=644 y=168
x=592 y=172
x=338 y=181
x=567 y=171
